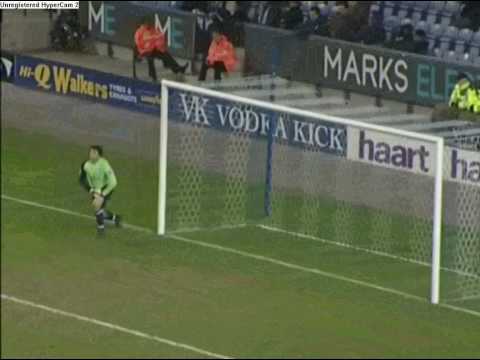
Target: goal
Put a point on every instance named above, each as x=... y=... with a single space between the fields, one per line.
x=227 y=162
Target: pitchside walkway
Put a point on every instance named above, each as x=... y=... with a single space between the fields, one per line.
x=281 y=91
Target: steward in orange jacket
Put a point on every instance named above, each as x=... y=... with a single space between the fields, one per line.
x=148 y=39
x=221 y=57
x=150 y=43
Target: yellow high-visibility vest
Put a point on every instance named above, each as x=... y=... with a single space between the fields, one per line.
x=460 y=95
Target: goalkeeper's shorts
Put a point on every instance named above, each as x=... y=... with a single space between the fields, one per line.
x=105 y=199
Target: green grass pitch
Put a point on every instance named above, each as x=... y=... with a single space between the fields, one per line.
x=220 y=301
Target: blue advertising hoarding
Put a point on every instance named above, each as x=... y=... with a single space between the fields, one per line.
x=63 y=79
x=230 y=116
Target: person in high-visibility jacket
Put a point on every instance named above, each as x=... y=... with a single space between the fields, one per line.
x=474 y=98
x=459 y=97
x=221 y=57
x=150 y=43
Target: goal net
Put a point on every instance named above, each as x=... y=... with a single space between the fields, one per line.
x=227 y=161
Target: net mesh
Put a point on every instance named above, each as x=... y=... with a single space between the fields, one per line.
x=353 y=204
x=461 y=240
x=215 y=177
x=318 y=192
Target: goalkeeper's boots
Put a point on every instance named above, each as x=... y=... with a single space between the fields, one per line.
x=101 y=232
x=118 y=221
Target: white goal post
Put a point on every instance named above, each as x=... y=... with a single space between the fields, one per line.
x=216 y=147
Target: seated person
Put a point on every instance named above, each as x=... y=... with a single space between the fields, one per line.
x=474 y=99
x=404 y=40
x=221 y=57
x=462 y=104
x=420 y=42
x=293 y=16
x=316 y=25
x=459 y=98
x=151 y=44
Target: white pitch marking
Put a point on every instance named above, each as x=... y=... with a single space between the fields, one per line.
x=352 y=247
x=258 y=257
x=113 y=327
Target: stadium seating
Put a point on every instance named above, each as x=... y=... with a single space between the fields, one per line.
x=436 y=19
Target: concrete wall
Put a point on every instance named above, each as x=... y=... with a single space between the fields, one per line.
x=25 y=33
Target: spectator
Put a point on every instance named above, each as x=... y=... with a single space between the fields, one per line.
x=270 y=14
x=67 y=33
x=221 y=57
x=316 y=25
x=191 y=6
x=341 y=7
x=203 y=36
x=236 y=11
x=403 y=41
x=460 y=95
x=348 y=21
x=373 y=32
x=470 y=16
x=150 y=43
x=474 y=99
x=463 y=104
x=293 y=16
x=420 y=43
x=234 y=16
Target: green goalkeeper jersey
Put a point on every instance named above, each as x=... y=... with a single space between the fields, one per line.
x=98 y=177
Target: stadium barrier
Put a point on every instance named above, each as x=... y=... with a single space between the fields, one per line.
x=373 y=71
x=64 y=79
x=370 y=147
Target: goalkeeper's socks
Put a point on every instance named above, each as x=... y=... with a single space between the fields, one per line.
x=100 y=219
x=109 y=216
x=113 y=218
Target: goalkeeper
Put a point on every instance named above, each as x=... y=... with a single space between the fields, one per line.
x=98 y=178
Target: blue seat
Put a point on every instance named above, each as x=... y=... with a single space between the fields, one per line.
x=446 y=20
x=436 y=7
x=387 y=12
x=474 y=53
x=417 y=16
x=444 y=45
x=422 y=25
x=476 y=61
x=435 y=31
x=451 y=56
x=452 y=8
x=325 y=11
x=432 y=18
x=431 y=45
x=374 y=8
x=391 y=23
x=476 y=39
x=421 y=5
x=451 y=33
x=459 y=48
x=439 y=53
x=465 y=36
x=407 y=4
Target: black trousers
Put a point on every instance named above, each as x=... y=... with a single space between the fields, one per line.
x=168 y=62
x=218 y=67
